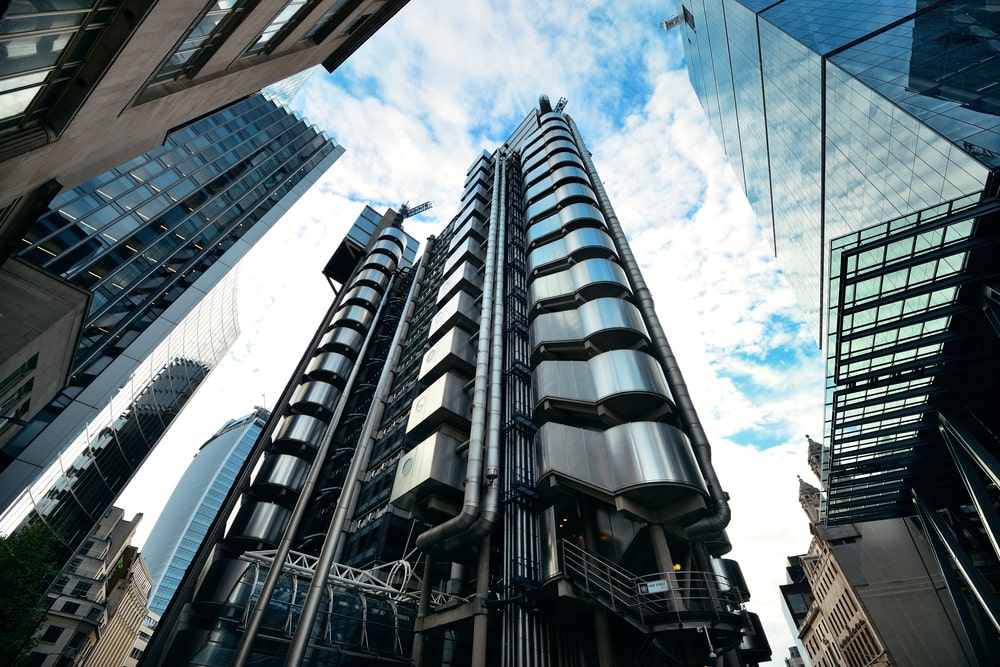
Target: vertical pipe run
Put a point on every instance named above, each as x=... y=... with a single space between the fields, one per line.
x=348 y=497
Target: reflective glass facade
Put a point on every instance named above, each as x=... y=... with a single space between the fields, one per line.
x=840 y=115
x=74 y=490
x=881 y=125
x=193 y=505
x=149 y=239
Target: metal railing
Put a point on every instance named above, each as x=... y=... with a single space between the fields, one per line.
x=654 y=599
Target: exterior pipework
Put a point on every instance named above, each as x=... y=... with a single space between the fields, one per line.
x=274 y=573
x=712 y=524
x=346 y=502
x=438 y=539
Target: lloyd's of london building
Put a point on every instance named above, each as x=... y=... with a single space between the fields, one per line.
x=487 y=456
x=867 y=138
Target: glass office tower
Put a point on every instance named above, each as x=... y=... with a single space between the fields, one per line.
x=490 y=455
x=194 y=503
x=149 y=240
x=867 y=138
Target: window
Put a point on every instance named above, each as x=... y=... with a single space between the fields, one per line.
x=81 y=589
x=70 y=607
x=135 y=654
x=330 y=19
x=77 y=640
x=203 y=39
x=52 y=634
x=286 y=18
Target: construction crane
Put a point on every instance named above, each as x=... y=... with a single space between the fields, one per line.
x=406 y=212
x=561 y=104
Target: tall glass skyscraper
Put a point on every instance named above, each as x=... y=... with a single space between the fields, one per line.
x=149 y=240
x=488 y=457
x=867 y=137
x=194 y=504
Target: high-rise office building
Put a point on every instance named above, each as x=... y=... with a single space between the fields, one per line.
x=90 y=84
x=489 y=454
x=194 y=503
x=148 y=240
x=867 y=138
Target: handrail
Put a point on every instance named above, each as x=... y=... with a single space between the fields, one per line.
x=650 y=599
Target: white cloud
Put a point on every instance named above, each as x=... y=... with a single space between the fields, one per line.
x=445 y=80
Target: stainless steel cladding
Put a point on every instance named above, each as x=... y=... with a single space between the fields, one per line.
x=363 y=295
x=444 y=402
x=299 y=434
x=564 y=194
x=280 y=476
x=649 y=463
x=452 y=353
x=468 y=279
x=596 y=326
x=331 y=367
x=258 y=525
x=356 y=317
x=461 y=310
x=613 y=387
x=576 y=246
x=590 y=279
x=470 y=251
x=344 y=340
x=430 y=475
x=316 y=398
x=374 y=276
x=569 y=217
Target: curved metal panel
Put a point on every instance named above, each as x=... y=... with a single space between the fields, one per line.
x=259 y=523
x=573 y=216
x=389 y=247
x=432 y=468
x=596 y=326
x=468 y=279
x=472 y=228
x=615 y=387
x=374 y=277
x=331 y=367
x=453 y=352
x=553 y=162
x=395 y=234
x=649 y=463
x=363 y=295
x=445 y=401
x=381 y=261
x=562 y=195
x=555 y=146
x=344 y=340
x=731 y=578
x=299 y=433
x=548 y=135
x=315 y=398
x=578 y=245
x=590 y=279
x=281 y=476
x=557 y=177
x=221 y=582
x=471 y=251
x=356 y=317
x=462 y=310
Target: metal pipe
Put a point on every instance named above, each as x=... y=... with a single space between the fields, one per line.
x=433 y=540
x=271 y=582
x=347 y=500
x=715 y=522
x=483 y=524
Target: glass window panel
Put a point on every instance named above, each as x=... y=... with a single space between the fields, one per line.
x=33 y=52
x=17 y=101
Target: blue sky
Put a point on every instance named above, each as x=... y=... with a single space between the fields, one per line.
x=446 y=79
